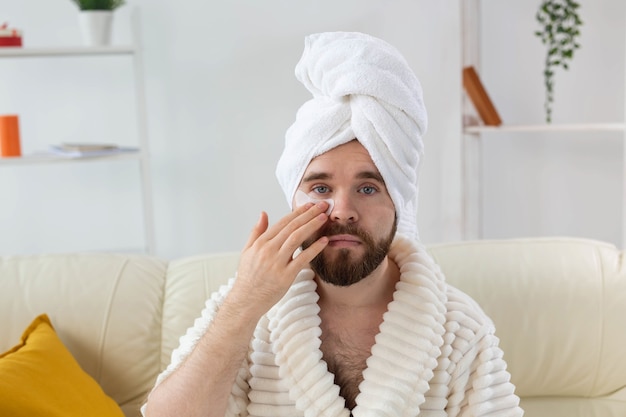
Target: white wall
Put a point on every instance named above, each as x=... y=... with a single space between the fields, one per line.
x=221 y=93
x=554 y=183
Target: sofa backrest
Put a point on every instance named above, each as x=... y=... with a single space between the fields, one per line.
x=190 y=282
x=559 y=306
x=106 y=309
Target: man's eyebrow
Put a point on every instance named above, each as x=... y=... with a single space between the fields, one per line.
x=316 y=176
x=371 y=175
x=364 y=175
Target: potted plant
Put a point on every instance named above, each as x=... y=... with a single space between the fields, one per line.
x=560 y=28
x=96 y=19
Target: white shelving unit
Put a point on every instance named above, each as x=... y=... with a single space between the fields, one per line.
x=472 y=211
x=141 y=156
x=600 y=127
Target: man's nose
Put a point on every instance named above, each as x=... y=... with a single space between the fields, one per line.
x=344 y=209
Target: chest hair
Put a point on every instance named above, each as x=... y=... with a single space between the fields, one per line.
x=345 y=354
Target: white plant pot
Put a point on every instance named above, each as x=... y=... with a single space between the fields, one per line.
x=95 y=26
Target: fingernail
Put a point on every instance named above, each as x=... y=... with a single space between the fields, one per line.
x=329 y=205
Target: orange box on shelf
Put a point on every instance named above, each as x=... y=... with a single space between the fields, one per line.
x=10 y=37
x=10 y=136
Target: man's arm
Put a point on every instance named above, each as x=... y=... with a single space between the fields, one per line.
x=201 y=385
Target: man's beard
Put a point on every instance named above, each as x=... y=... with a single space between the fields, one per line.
x=344 y=269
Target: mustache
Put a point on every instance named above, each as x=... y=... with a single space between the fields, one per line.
x=332 y=229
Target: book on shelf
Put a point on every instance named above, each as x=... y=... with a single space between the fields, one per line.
x=479 y=97
x=86 y=150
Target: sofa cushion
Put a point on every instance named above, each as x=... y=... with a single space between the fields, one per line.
x=106 y=309
x=190 y=282
x=558 y=305
x=39 y=376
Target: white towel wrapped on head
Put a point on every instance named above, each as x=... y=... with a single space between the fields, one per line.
x=362 y=89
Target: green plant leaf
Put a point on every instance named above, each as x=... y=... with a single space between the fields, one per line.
x=99 y=4
x=559 y=21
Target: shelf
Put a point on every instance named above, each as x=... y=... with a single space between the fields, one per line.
x=138 y=153
x=590 y=127
x=473 y=197
x=18 y=52
x=37 y=159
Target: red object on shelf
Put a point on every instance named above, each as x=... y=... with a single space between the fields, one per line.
x=10 y=37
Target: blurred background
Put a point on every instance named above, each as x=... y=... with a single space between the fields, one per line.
x=220 y=92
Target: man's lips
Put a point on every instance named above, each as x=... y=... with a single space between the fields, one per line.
x=343 y=240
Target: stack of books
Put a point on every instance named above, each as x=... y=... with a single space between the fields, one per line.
x=85 y=150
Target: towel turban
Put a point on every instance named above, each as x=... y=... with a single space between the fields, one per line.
x=362 y=89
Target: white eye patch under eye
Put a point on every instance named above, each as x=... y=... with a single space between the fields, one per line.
x=301 y=198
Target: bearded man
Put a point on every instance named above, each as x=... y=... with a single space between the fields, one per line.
x=337 y=309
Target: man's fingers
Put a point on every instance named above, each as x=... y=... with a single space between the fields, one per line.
x=259 y=228
x=278 y=233
x=286 y=221
x=306 y=256
x=278 y=243
x=267 y=268
x=293 y=239
x=301 y=216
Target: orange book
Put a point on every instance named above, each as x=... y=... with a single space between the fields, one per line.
x=480 y=98
x=9 y=136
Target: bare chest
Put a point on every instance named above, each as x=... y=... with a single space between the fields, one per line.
x=346 y=354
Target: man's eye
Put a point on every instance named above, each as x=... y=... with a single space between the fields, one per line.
x=368 y=190
x=320 y=189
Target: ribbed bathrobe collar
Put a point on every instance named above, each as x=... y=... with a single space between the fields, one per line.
x=403 y=357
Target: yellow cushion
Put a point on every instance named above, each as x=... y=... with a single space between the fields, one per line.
x=40 y=377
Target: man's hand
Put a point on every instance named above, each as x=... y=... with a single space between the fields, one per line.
x=267 y=267
x=201 y=387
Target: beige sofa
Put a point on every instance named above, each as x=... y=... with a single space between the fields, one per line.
x=559 y=305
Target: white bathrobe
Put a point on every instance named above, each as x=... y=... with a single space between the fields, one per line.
x=435 y=355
